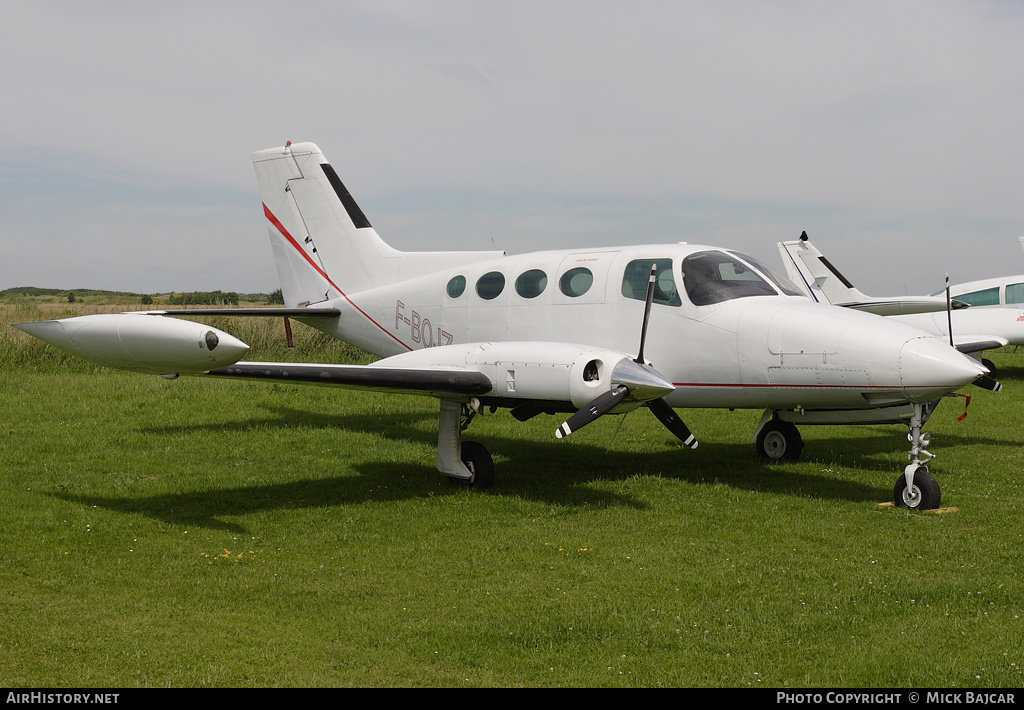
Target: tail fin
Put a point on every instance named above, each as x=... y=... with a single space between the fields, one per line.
x=809 y=269
x=324 y=246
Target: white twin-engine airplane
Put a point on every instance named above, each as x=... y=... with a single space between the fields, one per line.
x=586 y=332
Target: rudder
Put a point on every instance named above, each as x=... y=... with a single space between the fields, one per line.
x=321 y=240
x=324 y=246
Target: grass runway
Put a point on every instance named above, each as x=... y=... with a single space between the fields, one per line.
x=230 y=534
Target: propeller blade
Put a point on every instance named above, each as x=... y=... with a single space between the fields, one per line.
x=949 y=312
x=647 y=313
x=602 y=404
x=988 y=382
x=667 y=416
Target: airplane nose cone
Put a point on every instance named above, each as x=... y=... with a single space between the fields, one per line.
x=929 y=368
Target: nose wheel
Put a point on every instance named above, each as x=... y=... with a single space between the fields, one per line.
x=917 y=488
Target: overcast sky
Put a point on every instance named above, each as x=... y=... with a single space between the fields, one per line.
x=890 y=131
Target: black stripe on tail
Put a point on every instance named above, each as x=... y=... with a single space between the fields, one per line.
x=354 y=213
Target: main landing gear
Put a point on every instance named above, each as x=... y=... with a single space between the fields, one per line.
x=466 y=463
x=779 y=440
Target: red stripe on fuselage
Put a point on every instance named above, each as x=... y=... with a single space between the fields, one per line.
x=796 y=386
x=284 y=233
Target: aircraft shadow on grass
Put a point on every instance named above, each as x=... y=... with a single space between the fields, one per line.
x=550 y=471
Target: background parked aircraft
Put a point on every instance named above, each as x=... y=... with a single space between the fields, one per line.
x=1000 y=291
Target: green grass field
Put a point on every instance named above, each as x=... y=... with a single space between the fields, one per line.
x=208 y=533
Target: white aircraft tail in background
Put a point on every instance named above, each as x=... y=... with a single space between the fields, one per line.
x=812 y=272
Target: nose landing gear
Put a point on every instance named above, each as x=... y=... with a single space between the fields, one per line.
x=917 y=488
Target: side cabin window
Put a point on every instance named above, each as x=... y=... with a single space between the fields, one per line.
x=1014 y=293
x=638 y=274
x=576 y=282
x=985 y=297
x=532 y=283
x=714 y=276
x=490 y=285
x=456 y=286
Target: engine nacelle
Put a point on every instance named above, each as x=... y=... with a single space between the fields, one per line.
x=543 y=371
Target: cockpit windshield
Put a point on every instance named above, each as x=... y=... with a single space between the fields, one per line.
x=715 y=276
x=784 y=284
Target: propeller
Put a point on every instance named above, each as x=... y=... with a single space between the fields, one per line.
x=667 y=416
x=986 y=382
x=647 y=313
x=949 y=312
x=643 y=381
x=602 y=404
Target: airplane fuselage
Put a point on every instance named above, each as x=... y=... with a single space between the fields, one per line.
x=749 y=345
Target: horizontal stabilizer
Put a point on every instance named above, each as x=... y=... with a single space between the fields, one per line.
x=978 y=343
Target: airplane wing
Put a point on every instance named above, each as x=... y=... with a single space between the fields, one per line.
x=436 y=383
x=978 y=343
x=264 y=312
x=529 y=377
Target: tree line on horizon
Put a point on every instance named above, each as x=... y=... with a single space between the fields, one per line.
x=183 y=298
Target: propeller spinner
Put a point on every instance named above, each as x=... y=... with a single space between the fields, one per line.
x=635 y=381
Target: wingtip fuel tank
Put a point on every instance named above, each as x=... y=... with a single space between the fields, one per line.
x=142 y=343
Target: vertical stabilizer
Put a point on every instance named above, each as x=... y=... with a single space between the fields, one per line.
x=812 y=272
x=321 y=240
x=324 y=246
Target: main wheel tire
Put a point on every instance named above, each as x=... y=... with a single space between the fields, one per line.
x=479 y=462
x=923 y=495
x=779 y=440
